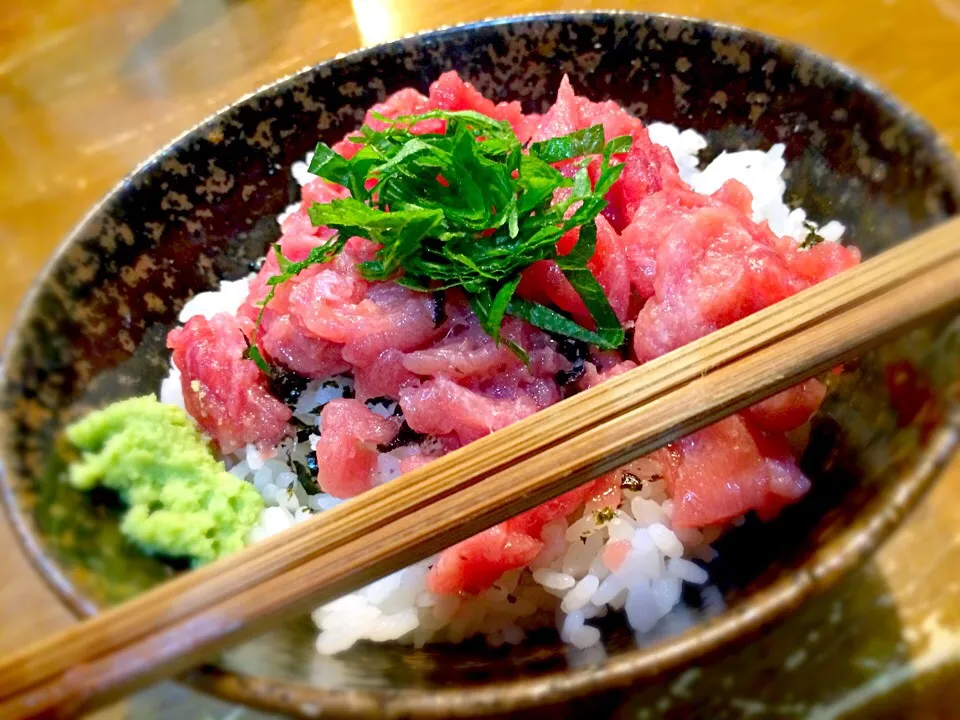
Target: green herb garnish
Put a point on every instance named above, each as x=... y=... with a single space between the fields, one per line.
x=468 y=209
x=604 y=515
x=307 y=480
x=812 y=238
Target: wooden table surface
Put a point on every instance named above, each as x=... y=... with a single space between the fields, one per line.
x=89 y=88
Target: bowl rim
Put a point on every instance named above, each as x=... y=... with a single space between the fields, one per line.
x=836 y=557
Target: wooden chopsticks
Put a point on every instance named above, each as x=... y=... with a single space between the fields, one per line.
x=184 y=621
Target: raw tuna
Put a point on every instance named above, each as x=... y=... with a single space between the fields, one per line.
x=563 y=117
x=471 y=355
x=707 y=265
x=384 y=377
x=654 y=215
x=367 y=319
x=283 y=338
x=442 y=407
x=331 y=305
x=415 y=461
x=725 y=470
x=715 y=267
x=648 y=168
x=544 y=281
x=532 y=521
x=227 y=395
x=404 y=102
x=572 y=112
x=789 y=409
x=285 y=342
x=300 y=235
x=593 y=375
x=468 y=353
x=347 y=449
x=450 y=92
x=604 y=492
x=473 y=565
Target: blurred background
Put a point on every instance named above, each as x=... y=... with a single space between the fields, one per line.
x=91 y=88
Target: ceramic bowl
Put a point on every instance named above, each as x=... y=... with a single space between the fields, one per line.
x=92 y=330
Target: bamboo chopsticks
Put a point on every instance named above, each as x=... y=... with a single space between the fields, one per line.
x=183 y=621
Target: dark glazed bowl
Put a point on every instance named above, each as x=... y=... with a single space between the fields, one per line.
x=93 y=330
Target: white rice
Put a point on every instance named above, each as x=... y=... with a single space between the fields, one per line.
x=568 y=583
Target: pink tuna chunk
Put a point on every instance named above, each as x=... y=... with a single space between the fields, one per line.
x=594 y=376
x=725 y=470
x=441 y=407
x=347 y=449
x=563 y=117
x=384 y=377
x=475 y=564
x=227 y=395
x=467 y=352
x=283 y=338
x=789 y=409
x=403 y=102
x=367 y=319
x=286 y=343
x=715 y=267
x=648 y=168
x=571 y=112
x=450 y=92
x=654 y=215
x=705 y=264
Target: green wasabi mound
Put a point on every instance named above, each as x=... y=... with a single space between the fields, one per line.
x=182 y=501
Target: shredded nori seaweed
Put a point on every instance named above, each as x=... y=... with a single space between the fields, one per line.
x=304 y=430
x=406 y=436
x=631 y=482
x=576 y=351
x=565 y=377
x=439 y=307
x=386 y=402
x=287 y=386
x=571 y=348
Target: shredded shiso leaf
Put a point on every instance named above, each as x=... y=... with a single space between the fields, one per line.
x=468 y=208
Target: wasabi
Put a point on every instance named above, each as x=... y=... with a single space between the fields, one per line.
x=181 y=500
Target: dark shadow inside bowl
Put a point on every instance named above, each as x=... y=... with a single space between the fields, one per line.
x=204 y=208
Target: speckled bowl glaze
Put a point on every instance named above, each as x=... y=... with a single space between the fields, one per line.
x=93 y=331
